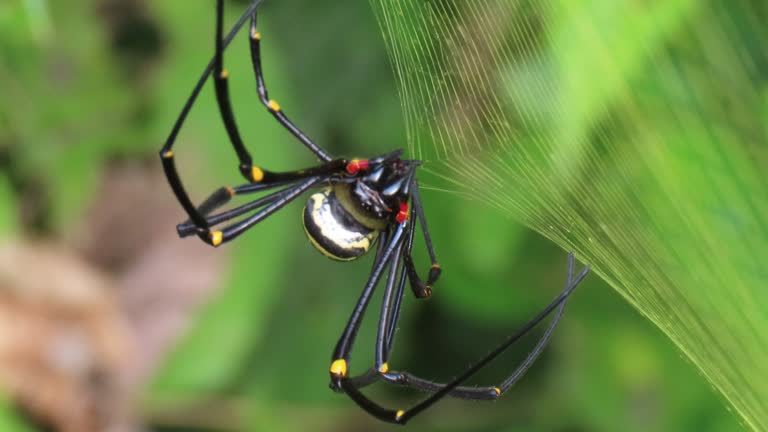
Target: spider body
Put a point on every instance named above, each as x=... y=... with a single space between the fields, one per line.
x=345 y=219
x=333 y=229
x=360 y=202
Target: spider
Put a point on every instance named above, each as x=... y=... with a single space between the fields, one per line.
x=359 y=202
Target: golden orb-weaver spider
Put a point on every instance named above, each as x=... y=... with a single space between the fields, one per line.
x=362 y=201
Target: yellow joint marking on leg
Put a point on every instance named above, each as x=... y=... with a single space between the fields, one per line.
x=257 y=174
x=255 y=35
x=339 y=368
x=384 y=368
x=497 y=390
x=399 y=414
x=230 y=191
x=436 y=265
x=224 y=74
x=273 y=105
x=216 y=237
x=168 y=154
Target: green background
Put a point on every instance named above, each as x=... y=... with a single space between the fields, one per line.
x=89 y=87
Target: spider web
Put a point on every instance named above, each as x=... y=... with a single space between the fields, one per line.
x=630 y=132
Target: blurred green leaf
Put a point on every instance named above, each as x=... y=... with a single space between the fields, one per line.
x=8 y=210
x=63 y=98
x=9 y=420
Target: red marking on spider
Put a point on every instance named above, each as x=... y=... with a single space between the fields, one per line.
x=356 y=165
x=402 y=215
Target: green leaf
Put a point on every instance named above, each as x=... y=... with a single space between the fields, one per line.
x=9 y=421
x=9 y=223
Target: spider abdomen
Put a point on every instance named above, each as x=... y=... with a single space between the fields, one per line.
x=333 y=229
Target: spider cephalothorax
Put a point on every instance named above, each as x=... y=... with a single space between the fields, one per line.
x=360 y=202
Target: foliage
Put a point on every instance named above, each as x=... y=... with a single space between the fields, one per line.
x=569 y=126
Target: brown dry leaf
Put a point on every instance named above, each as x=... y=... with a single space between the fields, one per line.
x=62 y=343
x=160 y=279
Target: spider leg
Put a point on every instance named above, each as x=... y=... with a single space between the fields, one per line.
x=366 y=378
x=273 y=107
x=406 y=379
x=221 y=85
x=390 y=307
x=251 y=172
x=441 y=391
x=389 y=310
x=231 y=232
x=273 y=203
x=390 y=242
x=166 y=152
x=391 y=314
x=489 y=392
x=395 y=310
x=419 y=287
x=388 y=320
x=223 y=195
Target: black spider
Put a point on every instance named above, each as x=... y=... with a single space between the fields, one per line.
x=361 y=201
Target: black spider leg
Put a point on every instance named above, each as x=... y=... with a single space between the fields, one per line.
x=271 y=104
x=389 y=316
x=221 y=86
x=231 y=232
x=398 y=299
x=166 y=152
x=389 y=244
x=251 y=172
x=418 y=286
x=273 y=203
x=489 y=392
x=390 y=306
x=409 y=380
x=224 y=195
x=220 y=75
x=402 y=416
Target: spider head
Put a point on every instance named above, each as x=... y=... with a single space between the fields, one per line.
x=379 y=192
